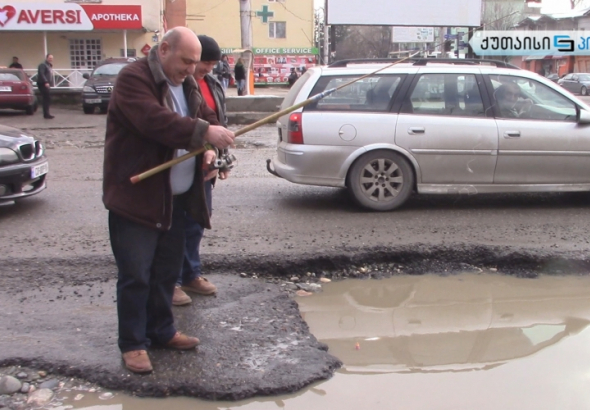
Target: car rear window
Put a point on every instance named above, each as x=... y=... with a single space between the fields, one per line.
x=289 y=99
x=372 y=94
x=13 y=76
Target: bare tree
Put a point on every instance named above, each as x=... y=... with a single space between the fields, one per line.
x=501 y=14
x=364 y=42
x=575 y=3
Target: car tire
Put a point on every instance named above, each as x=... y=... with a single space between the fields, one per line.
x=381 y=180
x=30 y=110
x=88 y=109
x=584 y=91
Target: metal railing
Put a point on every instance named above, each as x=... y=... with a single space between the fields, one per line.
x=65 y=78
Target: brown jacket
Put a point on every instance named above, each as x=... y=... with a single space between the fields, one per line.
x=143 y=132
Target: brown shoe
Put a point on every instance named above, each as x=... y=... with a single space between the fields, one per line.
x=201 y=286
x=137 y=361
x=180 y=298
x=181 y=341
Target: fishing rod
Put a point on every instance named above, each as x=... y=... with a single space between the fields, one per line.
x=273 y=117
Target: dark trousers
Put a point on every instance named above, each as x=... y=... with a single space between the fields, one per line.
x=46 y=97
x=193 y=231
x=148 y=261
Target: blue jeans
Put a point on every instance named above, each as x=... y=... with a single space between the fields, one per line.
x=241 y=86
x=148 y=261
x=193 y=232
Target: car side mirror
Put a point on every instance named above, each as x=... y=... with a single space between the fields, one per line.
x=86 y=76
x=583 y=116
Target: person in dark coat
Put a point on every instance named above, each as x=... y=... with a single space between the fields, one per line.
x=292 y=77
x=240 y=74
x=15 y=63
x=45 y=81
x=190 y=278
x=156 y=113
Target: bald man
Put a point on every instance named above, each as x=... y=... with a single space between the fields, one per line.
x=155 y=114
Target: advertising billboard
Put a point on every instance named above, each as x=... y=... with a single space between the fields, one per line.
x=431 y=13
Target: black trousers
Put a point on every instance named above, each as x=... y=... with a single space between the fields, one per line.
x=46 y=100
x=149 y=263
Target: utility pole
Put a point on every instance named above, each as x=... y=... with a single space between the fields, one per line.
x=246 y=31
x=326 y=57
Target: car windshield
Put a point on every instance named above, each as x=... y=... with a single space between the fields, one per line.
x=584 y=77
x=11 y=76
x=108 y=69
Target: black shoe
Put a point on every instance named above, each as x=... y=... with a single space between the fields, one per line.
x=48 y=117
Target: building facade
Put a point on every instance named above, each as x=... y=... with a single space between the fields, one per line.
x=282 y=32
x=78 y=34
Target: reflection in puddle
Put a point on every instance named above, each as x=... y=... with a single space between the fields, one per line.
x=430 y=342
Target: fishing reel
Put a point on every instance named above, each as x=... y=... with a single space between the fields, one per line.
x=225 y=162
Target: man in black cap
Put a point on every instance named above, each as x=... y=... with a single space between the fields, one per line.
x=211 y=89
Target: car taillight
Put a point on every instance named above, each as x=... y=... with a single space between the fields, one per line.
x=294 y=129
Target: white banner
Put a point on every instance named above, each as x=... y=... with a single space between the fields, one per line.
x=43 y=17
x=530 y=43
x=412 y=35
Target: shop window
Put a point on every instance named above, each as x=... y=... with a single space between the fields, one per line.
x=277 y=29
x=85 y=53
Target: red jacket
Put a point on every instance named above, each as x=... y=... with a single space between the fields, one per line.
x=143 y=132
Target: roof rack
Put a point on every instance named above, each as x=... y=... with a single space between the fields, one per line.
x=424 y=61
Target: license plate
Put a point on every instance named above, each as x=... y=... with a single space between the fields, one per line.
x=93 y=101
x=39 y=170
x=5 y=89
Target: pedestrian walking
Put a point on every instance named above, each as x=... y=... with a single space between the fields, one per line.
x=240 y=75
x=222 y=71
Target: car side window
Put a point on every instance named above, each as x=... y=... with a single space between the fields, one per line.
x=372 y=94
x=568 y=77
x=445 y=94
x=523 y=98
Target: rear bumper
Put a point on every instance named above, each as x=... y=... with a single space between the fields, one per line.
x=16 y=101
x=312 y=164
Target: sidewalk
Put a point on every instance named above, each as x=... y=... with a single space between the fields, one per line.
x=261 y=91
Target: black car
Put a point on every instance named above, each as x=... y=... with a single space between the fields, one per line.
x=23 y=165
x=99 y=84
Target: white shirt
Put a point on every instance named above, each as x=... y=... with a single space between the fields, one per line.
x=181 y=174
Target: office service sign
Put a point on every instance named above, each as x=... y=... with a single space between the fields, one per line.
x=68 y=17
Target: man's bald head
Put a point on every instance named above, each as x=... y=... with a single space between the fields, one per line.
x=179 y=52
x=178 y=35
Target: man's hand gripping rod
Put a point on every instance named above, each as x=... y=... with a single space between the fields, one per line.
x=273 y=117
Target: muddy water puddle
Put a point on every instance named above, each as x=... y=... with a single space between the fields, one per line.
x=465 y=341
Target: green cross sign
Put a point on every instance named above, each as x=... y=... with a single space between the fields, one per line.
x=265 y=14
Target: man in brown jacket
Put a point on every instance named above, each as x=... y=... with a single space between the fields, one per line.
x=155 y=114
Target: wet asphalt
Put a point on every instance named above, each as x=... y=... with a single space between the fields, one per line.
x=57 y=275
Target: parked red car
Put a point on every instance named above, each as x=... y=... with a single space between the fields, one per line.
x=16 y=91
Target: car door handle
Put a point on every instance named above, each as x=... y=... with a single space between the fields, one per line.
x=416 y=130
x=511 y=134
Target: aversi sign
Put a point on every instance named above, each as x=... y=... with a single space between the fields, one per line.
x=68 y=16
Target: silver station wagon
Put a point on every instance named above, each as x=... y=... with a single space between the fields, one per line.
x=433 y=126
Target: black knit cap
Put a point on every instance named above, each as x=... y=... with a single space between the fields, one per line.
x=211 y=50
